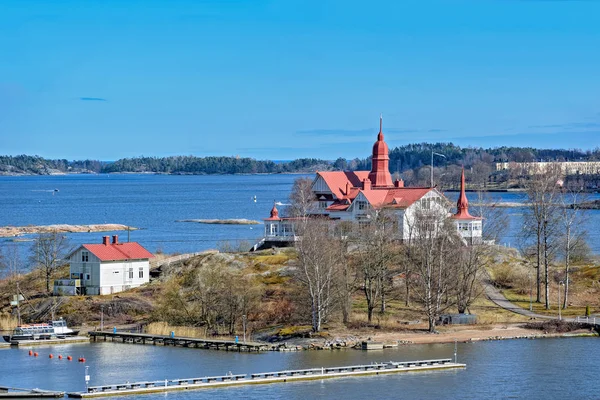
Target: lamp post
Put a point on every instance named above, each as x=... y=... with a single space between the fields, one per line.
x=433 y=153
x=559 y=312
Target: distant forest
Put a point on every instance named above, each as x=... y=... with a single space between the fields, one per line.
x=411 y=162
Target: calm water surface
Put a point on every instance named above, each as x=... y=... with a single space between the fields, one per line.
x=531 y=369
x=155 y=202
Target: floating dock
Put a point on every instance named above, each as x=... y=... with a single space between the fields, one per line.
x=48 y=342
x=265 y=378
x=4 y=345
x=165 y=340
x=17 y=393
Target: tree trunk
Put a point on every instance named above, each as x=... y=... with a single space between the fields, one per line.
x=546 y=275
x=567 y=262
x=538 y=295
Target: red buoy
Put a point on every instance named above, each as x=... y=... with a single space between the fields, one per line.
x=35 y=354
x=60 y=357
x=30 y=352
x=50 y=355
x=81 y=359
x=69 y=358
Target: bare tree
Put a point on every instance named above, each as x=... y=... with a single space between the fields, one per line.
x=346 y=278
x=470 y=265
x=374 y=257
x=433 y=256
x=10 y=260
x=541 y=220
x=319 y=255
x=495 y=222
x=48 y=252
x=574 y=236
x=302 y=198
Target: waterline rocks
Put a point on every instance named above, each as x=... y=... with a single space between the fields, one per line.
x=9 y=231
x=235 y=221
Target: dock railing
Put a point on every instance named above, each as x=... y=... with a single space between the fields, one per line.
x=262 y=376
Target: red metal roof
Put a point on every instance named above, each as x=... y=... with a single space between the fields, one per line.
x=462 y=206
x=274 y=215
x=336 y=180
x=118 y=251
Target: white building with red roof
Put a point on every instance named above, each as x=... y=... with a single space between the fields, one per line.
x=107 y=267
x=357 y=196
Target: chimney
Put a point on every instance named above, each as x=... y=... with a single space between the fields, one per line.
x=106 y=240
x=399 y=183
x=115 y=239
x=347 y=188
x=366 y=184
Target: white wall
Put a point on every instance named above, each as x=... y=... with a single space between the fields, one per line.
x=109 y=276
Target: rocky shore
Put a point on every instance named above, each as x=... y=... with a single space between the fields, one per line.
x=239 y=221
x=12 y=231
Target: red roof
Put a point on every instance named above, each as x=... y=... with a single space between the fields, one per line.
x=336 y=180
x=274 y=215
x=462 y=206
x=118 y=251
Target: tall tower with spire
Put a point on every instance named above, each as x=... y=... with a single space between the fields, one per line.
x=468 y=226
x=462 y=205
x=380 y=172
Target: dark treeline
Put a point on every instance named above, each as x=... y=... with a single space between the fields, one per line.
x=213 y=165
x=413 y=156
x=408 y=160
x=36 y=165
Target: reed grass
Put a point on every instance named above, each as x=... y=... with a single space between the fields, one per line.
x=7 y=323
x=163 y=328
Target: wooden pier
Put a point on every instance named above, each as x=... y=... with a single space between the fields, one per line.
x=18 y=393
x=265 y=378
x=166 y=340
x=50 y=342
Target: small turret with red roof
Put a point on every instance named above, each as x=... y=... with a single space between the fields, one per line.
x=462 y=205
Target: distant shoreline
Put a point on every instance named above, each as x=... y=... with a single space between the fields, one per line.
x=16 y=231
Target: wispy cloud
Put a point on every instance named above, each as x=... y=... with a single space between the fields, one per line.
x=362 y=132
x=92 y=99
x=571 y=125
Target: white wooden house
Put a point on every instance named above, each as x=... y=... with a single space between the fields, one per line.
x=357 y=197
x=106 y=268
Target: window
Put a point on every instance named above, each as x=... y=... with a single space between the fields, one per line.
x=274 y=229
x=85 y=256
x=286 y=229
x=362 y=205
x=141 y=273
x=323 y=204
x=130 y=273
x=87 y=277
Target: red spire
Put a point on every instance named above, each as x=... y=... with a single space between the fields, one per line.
x=274 y=214
x=462 y=206
x=380 y=172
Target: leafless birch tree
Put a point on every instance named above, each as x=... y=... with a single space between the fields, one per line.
x=319 y=257
x=541 y=221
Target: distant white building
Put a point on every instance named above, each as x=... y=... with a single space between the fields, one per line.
x=106 y=268
x=357 y=197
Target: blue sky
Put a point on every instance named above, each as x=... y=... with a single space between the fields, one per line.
x=287 y=79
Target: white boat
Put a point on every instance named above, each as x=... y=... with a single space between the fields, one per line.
x=54 y=329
